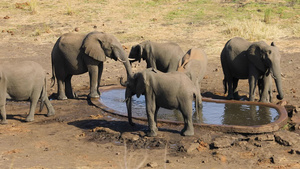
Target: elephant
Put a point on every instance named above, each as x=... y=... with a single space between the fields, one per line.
x=194 y=64
x=172 y=90
x=161 y=56
x=75 y=53
x=22 y=81
x=265 y=91
x=242 y=59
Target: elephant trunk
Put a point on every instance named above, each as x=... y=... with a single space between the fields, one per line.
x=277 y=76
x=128 y=97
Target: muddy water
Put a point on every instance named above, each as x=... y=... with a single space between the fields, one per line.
x=211 y=113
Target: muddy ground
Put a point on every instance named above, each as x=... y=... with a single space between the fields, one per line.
x=81 y=135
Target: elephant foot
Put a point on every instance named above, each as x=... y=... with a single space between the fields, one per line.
x=3 y=122
x=29 y=119
x=229 y=97
x=189 y=132
x=151 y=133
x=236 y=96
x=93 y=95
x=62 y=97
x=51 y=113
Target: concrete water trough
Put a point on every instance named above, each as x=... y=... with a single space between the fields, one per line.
x=217 y=115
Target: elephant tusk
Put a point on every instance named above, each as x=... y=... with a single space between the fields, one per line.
x=273 y=75
x=121 y=60
x=131 y=59
x=125 y=100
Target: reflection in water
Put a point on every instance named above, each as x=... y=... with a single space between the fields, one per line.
x=211 y=113
x=247 y=115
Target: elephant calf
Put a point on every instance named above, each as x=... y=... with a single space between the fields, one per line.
x=194 y=64
x=173 y=90
x=23 y=81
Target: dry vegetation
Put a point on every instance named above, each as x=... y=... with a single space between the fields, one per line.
x=191 y=23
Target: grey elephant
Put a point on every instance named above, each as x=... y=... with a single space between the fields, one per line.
x=194 y=64
x=172 y=90
x=160 y=56
x=23 y=81
x=265 y=91
x=75 y=54
x=242 y=59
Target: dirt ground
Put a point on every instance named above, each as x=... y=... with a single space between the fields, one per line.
x=81 y=135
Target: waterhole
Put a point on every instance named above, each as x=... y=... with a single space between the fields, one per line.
x=211 y=112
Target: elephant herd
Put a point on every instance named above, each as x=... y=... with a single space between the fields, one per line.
x=172 y=79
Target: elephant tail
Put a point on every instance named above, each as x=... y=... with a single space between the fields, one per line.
x=43 y=95
x=225 y=85
x=53 y=75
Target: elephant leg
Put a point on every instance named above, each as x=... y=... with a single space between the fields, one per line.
x=230 y=89
x=33 y=102
x=61 y=90
x=93 y=69
x=100 y=71
x=253 y=78
x=187 y=112
x=3 y=113
x=151 y=108
x=235 y=91
x=266 y=89
x=68 y=87
x=49 y=106
x=252 y=85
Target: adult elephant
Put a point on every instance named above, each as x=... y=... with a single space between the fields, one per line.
x=75 y=54
x=161 y=56
x=172 y=90
x=194 y=64
x=253 y=61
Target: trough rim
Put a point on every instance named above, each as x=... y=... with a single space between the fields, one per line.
x=265 y=128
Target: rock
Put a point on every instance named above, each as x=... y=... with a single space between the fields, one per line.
x=192 y=147
x=287 y=138
x=152 y=164
x=282 y=103
x=223 y=141
x=130 y=136
x=76 y=29
x=265 y=137
x=107 y=130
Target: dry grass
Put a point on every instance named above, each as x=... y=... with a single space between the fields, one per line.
x=195 y=23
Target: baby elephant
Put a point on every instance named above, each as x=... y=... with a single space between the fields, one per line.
x=173 y=90
x=23 y=81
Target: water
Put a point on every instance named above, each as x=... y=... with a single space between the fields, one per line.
x=211 y=113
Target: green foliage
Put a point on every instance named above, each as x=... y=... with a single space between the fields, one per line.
x=267 y=15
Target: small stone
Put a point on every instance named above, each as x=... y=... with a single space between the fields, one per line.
x=152 y=164
x=192 y=147
x=223 y=141
x=282 y=103
x=76 y=29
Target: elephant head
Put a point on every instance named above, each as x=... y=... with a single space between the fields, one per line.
x=267 y=60
x=140 y=51
x=135 y=85
x=99 y=45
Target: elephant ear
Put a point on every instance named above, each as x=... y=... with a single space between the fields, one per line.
x=255 y=56
x=140 y=84
x=92 y=45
